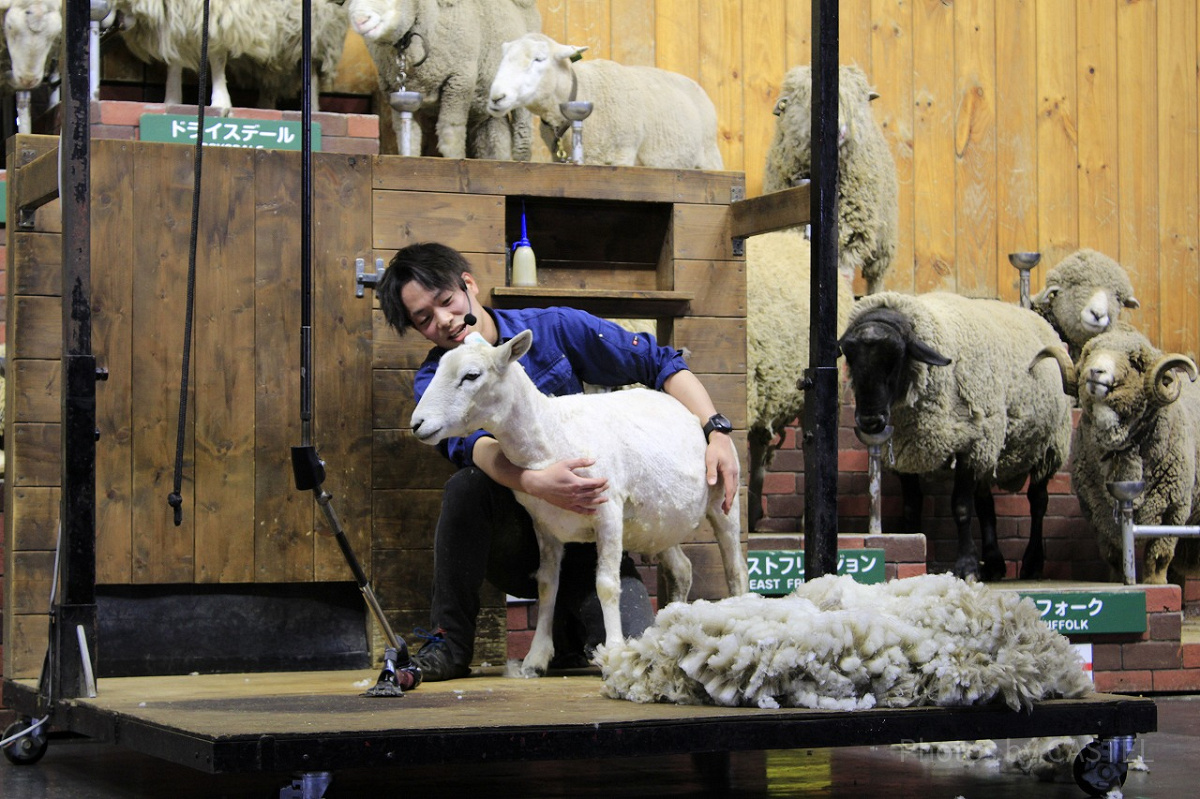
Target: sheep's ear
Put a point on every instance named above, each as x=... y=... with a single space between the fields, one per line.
x=920 y=351
x=1131 y=302
x=1046 y=296
x=569 y=52
x=518 y=345
x=872 y=95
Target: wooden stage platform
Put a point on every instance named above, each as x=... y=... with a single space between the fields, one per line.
x=318 y=721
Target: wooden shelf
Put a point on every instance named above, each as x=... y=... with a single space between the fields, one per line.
x=634 y=304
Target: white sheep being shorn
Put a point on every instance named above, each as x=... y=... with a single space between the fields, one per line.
x=451 y=49
x=840 y=645
x=646 y=443
x=777 y=328
x=952 y=376
x=868 y=189
x=1139 y=421
x=1084 y=296
x=264 y=35
x=641 y=116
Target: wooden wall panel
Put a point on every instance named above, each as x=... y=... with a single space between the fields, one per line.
x=1096 y=79
x=934 y=206
x=1058 y=183
x=112 y=343
x=225 y=353
x=285 y=517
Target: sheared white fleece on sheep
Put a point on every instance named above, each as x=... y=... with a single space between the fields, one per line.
x=836 y=644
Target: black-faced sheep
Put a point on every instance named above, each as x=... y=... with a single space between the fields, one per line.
x=777 y=327
x=451 y=49
x=645 y=442
x=1139 y=421
x=1084 y=296
x=951 y=375
x=642 y=116
x=868 y=190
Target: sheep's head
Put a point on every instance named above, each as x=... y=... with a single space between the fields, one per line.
x=385 y=21
x=793 y=129
x=1084 y=296
x=466 y=388
x=33 y=31
x=881 y=349
x=526 y=66
x=1123 y=379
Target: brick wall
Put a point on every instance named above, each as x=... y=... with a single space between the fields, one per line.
x=1152 y=662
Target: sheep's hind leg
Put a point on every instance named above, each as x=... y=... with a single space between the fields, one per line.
x=541 y=649
x=961 y=498
x=1035 y=553
x=993 y=566
x=677 y=572
x=609 y=547
x=728 y=530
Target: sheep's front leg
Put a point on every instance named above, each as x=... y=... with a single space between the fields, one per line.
x=541 y=649
x=220 y=86
x=452 y=118
x=961 y=498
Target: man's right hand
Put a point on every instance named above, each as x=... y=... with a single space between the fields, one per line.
x=562 y=485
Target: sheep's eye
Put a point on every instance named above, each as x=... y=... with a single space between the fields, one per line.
x=474 y=374
x=539 y=58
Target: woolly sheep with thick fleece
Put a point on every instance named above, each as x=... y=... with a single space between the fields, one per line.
x=777 y=328
x=647 y=445
x=868 y=189
x=1084 y=296
x=980 y=408
x=641 y=116
x=452 y=58
x=1139 y=420
x=264 y=33
x=840 y=645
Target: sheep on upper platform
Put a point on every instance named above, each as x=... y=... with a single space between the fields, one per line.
x=451 y=49
x=868 y=190
x=836 y=644
x=32 y=35
x=647 y=445
x=265 y=33
x=1139 y=421
x=777 y=327
x=641 y=116
x=952 y=375
x=1084 y=296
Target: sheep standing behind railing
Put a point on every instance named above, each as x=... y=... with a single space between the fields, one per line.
x=1084 y=296
x=951 y=375
x=263 y=35
x=448 y=51
x=647 y=445
x=1140 y=422
x=641 y=116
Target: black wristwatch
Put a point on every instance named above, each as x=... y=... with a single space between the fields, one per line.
x=718 y=423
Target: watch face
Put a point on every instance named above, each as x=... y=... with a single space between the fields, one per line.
x=719 y=423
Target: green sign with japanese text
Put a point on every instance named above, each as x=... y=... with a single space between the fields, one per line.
x=775 y=572
x=259 y=134
x=1091 y=612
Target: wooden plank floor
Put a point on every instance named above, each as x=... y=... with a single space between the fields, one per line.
x=320 y=721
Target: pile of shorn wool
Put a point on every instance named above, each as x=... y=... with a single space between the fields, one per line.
x=837 y=644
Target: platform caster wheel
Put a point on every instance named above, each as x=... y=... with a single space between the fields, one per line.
x=1095 y=772
x=27 y=749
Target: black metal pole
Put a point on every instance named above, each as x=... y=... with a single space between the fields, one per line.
x=77 y=558
x=821 y=407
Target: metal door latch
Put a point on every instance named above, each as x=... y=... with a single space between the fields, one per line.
x=364 y=278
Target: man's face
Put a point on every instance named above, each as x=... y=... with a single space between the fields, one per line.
x=437 y=314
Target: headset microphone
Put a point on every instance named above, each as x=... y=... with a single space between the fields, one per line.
x=469 y=318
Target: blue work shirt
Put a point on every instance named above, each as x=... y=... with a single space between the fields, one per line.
x=570 y=347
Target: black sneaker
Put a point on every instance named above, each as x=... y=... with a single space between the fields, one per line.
x=434 y=659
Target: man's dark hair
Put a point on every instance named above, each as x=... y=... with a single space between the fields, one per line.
x=433 y=266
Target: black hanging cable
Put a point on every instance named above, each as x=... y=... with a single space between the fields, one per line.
x=175 y=499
